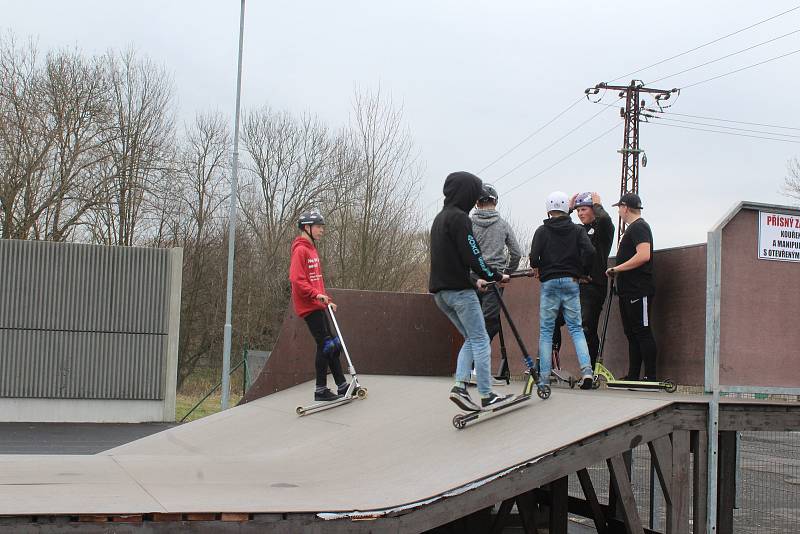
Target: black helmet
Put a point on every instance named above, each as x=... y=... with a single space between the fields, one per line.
x=310 y=217
x=488 y=193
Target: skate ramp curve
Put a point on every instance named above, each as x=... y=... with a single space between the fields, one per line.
x=395 y=449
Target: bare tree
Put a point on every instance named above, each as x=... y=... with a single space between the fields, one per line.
x=376 y=233
x=791 y=184
x=201 y=177
x=52 y=135
x=141 y=135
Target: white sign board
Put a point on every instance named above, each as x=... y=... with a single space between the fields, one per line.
x=778 y=237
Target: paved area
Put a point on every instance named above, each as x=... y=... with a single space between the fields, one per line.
x=71 y=438
x=262 y=457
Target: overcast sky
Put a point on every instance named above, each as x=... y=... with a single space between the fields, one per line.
x=475 y=78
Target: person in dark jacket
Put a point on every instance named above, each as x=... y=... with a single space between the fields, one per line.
x=593 y=288
x=561 y=254
x=454 y=253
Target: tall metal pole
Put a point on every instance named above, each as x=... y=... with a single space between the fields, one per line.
x=226 y=351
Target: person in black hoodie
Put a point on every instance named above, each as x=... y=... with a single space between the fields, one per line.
x=454 y=252
x=561 y=254
x=600 y=229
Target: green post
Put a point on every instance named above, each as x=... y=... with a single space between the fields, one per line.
x=246 y=371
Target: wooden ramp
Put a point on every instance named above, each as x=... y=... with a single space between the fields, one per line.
x=395 y=451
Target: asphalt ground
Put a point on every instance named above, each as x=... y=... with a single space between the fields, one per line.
x=71 y=438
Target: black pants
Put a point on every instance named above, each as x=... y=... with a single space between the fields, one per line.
x=490 y=305
x=592 y=299
x=318 y=326
x=635 y=312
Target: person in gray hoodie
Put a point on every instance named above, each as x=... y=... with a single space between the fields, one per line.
x=500 y=250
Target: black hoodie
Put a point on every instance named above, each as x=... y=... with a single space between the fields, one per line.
x=454 y=249
x=561 y=248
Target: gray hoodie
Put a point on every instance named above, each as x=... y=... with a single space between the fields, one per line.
x=494 y=234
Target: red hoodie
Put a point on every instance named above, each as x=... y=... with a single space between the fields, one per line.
x=305 y=274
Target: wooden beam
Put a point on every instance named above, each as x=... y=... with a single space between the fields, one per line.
x=627 y=502
x=699 y=439
x=678 y=509
x=661 y=456
x=598 y=516
x=759 y=417
x=726 y=481
x=528 y=509
x=559 y=506
x=502 y=516
x=580 y=507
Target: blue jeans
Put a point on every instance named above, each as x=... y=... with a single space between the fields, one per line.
x=561 y=293
x=464 y=311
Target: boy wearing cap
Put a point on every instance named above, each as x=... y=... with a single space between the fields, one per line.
x=561 y=253
x=310 y=299
x=635 y=287
x=600 y=229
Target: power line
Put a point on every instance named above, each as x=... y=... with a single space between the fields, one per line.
x=741 y=69
x=707 y=44
x=548 y=123
x=433 y=202
x=552 y=144
x=725 y=57
x=563 y=159
x=726 y=133
x=720 y=126
x=727 y=120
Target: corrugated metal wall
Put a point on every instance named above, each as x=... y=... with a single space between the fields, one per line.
x=82 y=321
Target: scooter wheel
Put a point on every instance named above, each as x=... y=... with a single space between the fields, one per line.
x=361 y=393
x=543 y=392
x=670 y=386
x=596 y=382
x=458 y=422
x=300 y=410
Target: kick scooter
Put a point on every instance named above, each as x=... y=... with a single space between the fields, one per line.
x=354 y=390
x=602 y=372
x=460 y=420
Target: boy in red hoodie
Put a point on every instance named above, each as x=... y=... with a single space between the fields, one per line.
x=310 y=300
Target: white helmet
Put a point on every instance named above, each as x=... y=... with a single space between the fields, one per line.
x=557 y=201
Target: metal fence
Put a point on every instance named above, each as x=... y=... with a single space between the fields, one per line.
x=767 y=485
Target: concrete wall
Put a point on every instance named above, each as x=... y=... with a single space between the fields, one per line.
x=87 y=332
x=759 y=302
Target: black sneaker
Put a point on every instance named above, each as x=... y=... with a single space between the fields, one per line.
x=461 y=397
x=494 y=400
x=326 y=395
x=587 y=382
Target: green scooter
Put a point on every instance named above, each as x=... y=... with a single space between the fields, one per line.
x=601 y=372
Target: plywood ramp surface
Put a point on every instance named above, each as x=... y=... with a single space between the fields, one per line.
x=396 y=447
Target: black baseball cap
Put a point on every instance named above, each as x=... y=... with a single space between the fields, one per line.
x=631 y=200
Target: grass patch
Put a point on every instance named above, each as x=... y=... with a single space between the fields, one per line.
x=197 y=385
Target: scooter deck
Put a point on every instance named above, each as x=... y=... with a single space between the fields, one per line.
x=461 y=420
x=669 y=387
x=359 y=393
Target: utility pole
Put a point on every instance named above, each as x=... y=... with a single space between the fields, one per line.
x=630 y=147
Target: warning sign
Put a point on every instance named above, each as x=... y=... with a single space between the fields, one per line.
x=779 y=237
